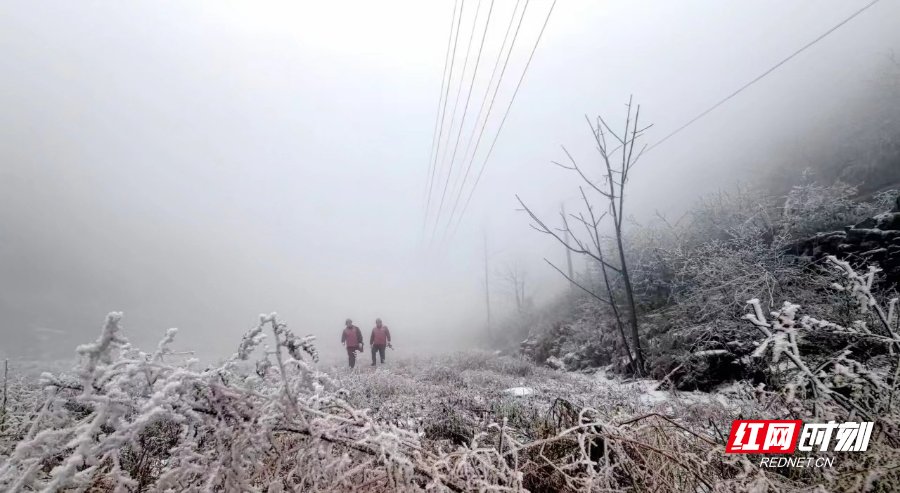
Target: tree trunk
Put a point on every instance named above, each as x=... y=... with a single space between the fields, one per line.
x=629 y=298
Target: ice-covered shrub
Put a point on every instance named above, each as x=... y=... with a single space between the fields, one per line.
x=811 y=208
x=587 y=340
x=285 y=426
x=841 y=380
x=268 y=419
x=130 y=420
x=694 y=275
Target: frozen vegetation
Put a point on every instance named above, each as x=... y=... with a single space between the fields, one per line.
x=772 y=302
x=267 y=419
x=734 y=326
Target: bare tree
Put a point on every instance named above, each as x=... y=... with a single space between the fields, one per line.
x=514 y=276
x=592 y=241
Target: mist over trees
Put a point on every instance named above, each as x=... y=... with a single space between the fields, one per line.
x=857 y=144
x=596 y=323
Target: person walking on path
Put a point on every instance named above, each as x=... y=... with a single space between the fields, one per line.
x=380 y=338
x=352 y=338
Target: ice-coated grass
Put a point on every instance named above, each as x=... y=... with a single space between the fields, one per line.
x=267 y=419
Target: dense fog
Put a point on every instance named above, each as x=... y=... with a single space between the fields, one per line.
x=195 y=164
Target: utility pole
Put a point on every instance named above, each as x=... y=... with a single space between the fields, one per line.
x=3 y=405
x=487 y=286
x=562 y=210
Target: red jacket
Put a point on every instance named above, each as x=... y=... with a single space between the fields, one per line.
x=352 y=336
x=380 y=337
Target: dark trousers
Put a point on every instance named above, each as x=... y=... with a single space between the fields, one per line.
x=351 y=356
x=380 y=350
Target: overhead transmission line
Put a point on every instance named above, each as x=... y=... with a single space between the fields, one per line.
x=442 y=113
x=682 y=127
x=438 y=112
x=492 y=100
x=459 y=87
x=505 y=115
x=466 y=107
x=487 y=91
x=764 y=74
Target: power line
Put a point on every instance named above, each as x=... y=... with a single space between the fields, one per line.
x=484 y=100
x=438 y=113
x=443 y=112
x=462 y=77
x=462 y=122
x=673 y=133
x=761 y=76
x=505 y=115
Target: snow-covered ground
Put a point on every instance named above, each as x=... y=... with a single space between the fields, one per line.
x=649 y=393
x=478 y=387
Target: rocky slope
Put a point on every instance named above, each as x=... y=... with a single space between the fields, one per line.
x=874 y=241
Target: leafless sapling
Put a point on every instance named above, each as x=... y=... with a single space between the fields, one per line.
x=615 y=165
x=514 y=277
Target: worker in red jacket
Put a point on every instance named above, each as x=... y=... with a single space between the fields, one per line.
x=352 y=338
x=380 y=338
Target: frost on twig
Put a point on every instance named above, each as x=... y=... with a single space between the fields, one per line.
x=842 y=383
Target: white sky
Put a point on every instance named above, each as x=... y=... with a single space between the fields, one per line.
x=196 y=163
